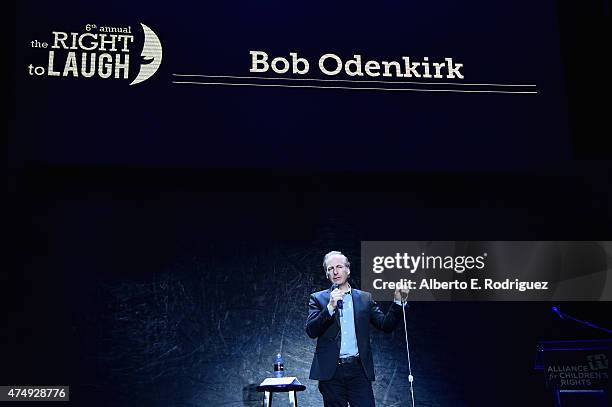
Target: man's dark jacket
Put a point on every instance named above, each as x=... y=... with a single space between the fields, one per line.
x=326 y=329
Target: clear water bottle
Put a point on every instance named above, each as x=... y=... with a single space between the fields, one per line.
x=279 y=367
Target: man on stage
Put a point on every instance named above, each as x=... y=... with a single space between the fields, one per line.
x=343 y=358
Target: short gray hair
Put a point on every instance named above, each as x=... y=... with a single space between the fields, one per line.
x=347 y=264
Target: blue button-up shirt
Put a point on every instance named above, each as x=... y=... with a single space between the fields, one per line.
x=348 y=344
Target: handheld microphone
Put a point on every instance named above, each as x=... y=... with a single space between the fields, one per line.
x=339 y=303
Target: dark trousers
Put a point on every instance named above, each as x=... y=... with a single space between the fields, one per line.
x=349 y=384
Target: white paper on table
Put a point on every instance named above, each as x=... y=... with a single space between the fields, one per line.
x=275 y=381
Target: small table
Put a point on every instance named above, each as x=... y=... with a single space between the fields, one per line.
x=289 y=385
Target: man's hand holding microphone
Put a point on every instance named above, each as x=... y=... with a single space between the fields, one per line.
x=336 y=295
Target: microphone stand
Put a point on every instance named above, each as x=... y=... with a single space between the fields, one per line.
x=563 y=315
x=410 y=377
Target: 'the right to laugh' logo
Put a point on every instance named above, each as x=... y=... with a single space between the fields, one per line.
x=98 y=52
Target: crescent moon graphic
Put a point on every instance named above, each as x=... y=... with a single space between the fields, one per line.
x=151 y=55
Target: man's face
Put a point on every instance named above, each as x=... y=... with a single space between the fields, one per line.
x=337 y=272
